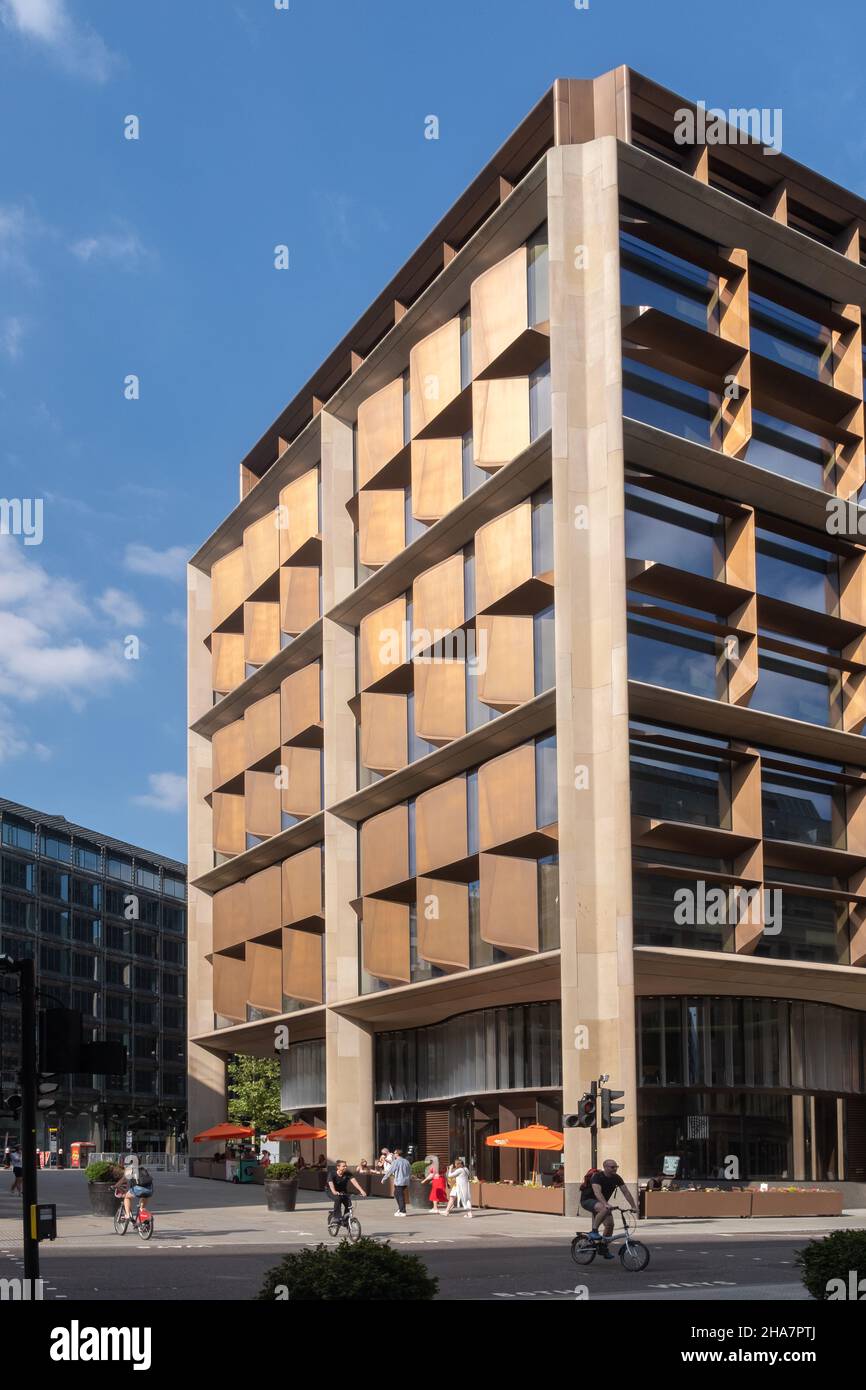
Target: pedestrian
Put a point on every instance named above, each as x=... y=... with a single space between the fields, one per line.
x=383 y=1160
x=363 y=1166
x=438 y=1190
x=460 y=1191
x=17 y=1168
x=400 y=1170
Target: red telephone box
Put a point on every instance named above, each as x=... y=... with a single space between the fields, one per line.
x=80 y=1153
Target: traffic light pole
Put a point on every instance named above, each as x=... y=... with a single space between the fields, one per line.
x=593 y=1091
x=26 y=970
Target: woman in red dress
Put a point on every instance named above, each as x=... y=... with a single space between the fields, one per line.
x=438 y=1189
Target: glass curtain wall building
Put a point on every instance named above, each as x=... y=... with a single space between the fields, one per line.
x=528 y=675
x=105 y=923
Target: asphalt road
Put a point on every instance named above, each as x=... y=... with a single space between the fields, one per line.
x=215 y=1242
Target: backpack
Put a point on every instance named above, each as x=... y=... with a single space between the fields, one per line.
x=144 y=1178
x=586 y=1185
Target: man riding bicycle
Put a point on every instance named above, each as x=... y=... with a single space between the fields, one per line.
x=596 y=1191
x=338 y=1185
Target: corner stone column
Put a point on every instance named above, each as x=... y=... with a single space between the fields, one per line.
x=591 y=672
x=348 y=1044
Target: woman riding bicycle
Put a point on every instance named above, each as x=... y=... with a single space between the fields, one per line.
x=138 y=1183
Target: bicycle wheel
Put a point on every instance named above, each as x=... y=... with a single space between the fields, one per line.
x=333 y=1227
x=634 y=1256
x=144 y=1226
x=121 y=1221
x=353 y=1228
x=583 y=1250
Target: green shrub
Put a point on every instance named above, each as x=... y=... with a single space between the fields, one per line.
x=419 y=1168
x=103 y=1172
x=276 y=1171
x=369 y=1270
x=833 y=1257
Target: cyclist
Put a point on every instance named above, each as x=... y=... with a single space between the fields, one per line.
x=139 y=1183
x=338 y=1185
x=596 y=1191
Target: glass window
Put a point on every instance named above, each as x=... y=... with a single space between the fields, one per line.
x=87 y=856
x=548 y=903
x=539 y=401
x=173 y=918
x=19 y=834
x=56 y=847
x=691 y=914
x=54 y=922
x=545 y=781
x=789 y=338
x=679 y=783
x=473 y=476
x=795 y=572
x=118 y=938
x=117 y=972
x=655 y=277
x=678 y=658
x=672 y=532
x=542 y=531
x=174 y=887
x=538 y=292
x=806 y=928
x=669 y=403
x=86 y=893
x=800 y=803
x=791 y=687
x=544 y=650
x=795 y=453
x=465 y=348
x=147 y=876
x=116 y=867
x=17 y=873
x=53 y=884
x=86 y=929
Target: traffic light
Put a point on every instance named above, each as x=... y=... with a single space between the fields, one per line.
x=60 y=1039
x=46 y=1089
x=609 y=1108
x=13 y=1104
x=585 y=1116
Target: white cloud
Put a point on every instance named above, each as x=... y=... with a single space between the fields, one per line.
x=11 y=333
x=75 y=47
x=165 y=564
x=122 y=609
x=15 y=741
x=167 y=792
x=41 y=653
x=123 y=247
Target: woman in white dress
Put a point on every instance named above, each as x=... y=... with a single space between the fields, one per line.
x=459 y=1174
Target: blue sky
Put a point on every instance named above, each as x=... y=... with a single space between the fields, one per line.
x=258 y=126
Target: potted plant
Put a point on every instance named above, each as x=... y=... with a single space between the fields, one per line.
x=102 y=1178
x=419 y=1191
x=368 y=1270
x=834 y=1269
x=281 y=1186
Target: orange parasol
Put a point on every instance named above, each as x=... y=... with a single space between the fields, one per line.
x=531 y=1137
x=299 y=1130
x=224 y=1131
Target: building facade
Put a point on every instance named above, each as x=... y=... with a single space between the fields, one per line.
x=527 y=675
x=105 y=923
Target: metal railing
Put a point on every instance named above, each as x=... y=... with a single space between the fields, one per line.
x=156 y=1162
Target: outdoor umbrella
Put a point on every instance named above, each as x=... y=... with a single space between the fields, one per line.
x=299 y=1130
x=224 y=1131
x=531 y=1137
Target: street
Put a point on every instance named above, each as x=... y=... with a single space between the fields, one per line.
x=214 y=1241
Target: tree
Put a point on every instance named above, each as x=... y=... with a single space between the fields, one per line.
x=254 y=1093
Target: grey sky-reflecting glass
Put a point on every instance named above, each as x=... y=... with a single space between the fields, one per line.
x=545 y=780
x=787 y=449
x=790 y=687
x=19 y=834
x=796 y=573
x=796 y=807
x=680 y=786
x=413 y=527
x=473 y=476
x=542 y=531
x=677 y=658
x=419 y=969
x=548 y=903
x=510 y=1048
x=418 y=747
x=472 y=811
x=302 y=1074
x=788 y=338
x=407 y=409
x=667 y=402
x=652 y=276
x=469 y=581
x=465 y=348
x=673 y=532
x=808 y=930
x=537 y=287
x=539 y=401
x=411 y=819
x=477 y=712
x=480 y=952
x=544 y=650
x=654 y=906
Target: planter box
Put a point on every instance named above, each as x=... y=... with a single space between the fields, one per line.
x=511 y=1197
x=699 y=1203
x=102 y=1199
x=281 y=1194
x=313 y=1179
x=822 y=1203
x=419 y=1195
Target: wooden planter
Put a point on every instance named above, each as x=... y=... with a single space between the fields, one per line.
x=821 y=1203
x=512 y=1197
x=281 y=1194
x=698 y=1203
